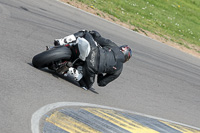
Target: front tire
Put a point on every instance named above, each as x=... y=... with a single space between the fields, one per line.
x=43 y=59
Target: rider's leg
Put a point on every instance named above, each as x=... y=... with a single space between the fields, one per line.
x=88 y=78
x=83 y=84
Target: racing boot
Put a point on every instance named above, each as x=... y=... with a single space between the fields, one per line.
x=75 y=73
x=83 y=84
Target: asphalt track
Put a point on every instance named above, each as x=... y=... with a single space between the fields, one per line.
x=158 y=81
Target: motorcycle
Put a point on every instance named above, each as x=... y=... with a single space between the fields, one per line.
x=66 y=59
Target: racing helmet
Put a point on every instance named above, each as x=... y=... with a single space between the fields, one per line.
x=126 y=50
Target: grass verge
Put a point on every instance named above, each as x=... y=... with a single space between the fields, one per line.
x=172 y=20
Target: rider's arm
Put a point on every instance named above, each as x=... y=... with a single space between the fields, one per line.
x=80 y=33
x=101 y=40
x=105 y=42
x=104 y=80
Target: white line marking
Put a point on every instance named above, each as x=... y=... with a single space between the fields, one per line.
x=35 y=120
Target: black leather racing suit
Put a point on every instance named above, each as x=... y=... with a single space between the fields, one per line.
x=106 y=60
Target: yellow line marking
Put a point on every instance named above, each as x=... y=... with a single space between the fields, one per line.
x=180 y=128
x=120 y=120
x=69 y=124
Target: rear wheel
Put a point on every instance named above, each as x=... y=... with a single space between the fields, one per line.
x=45 y=58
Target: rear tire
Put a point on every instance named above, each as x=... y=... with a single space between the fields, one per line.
x=45 y=58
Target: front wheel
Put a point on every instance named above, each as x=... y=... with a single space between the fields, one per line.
x=45 y=58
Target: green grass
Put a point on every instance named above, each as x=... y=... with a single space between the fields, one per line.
x=177 y=20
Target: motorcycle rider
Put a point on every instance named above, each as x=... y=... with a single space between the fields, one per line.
x=104 y=59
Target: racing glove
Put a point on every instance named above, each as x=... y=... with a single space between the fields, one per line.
x=94 y=34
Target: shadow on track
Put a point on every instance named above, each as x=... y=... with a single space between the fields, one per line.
x=68 y=78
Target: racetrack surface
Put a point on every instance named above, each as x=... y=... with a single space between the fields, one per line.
x=159 y=80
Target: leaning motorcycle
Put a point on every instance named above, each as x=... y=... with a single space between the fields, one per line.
x=66 y=59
